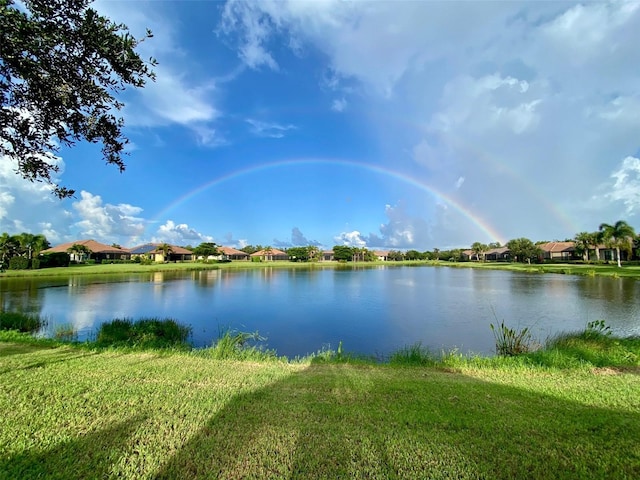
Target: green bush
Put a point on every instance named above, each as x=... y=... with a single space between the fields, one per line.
x=232 y=345
x=35 y=263
x=18 y=263
x=57 y=259
x=414 y=354
x=146 y=332
x=22 y=322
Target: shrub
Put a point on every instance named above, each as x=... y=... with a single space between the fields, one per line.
x=414 y=354
x=233 y=345
x=146 y=332
x=18 y=263
x=22 y=322
x=510 y=342
x=35 y=263
x=57 y=259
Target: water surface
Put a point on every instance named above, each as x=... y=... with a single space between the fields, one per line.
x=371 y=310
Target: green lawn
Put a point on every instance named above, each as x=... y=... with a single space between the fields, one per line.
x=69 y=412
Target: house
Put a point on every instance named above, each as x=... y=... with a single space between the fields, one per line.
x=468 y=255
x=382 y=255
x=327 y=256
x=558 y=250
x=269 y=255
x=97 y=251
x=498 y=254
x=156 y=254
x=231 y=253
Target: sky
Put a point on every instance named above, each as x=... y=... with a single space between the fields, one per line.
x=386 y=125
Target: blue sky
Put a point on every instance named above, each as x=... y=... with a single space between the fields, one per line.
x=381 y=124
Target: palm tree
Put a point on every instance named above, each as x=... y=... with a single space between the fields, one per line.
x=79 y=251
x=166 y=250
x=31 y=244
x=583 y=241
x=596 y=240
x=267 y=253
x=479 y=249
x=8 y=248
x=618 y=235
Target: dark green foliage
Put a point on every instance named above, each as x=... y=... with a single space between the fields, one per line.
x=146 y=333
x=510 y=342
x=206 y=249
x=524 y=250
x=343 y=253
x=35 y=263
x=20 y=321
x=60 y=65
x=18 y=263
x=57 y=259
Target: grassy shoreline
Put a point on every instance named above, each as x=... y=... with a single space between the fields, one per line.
x=132 y=268
x=74 y=412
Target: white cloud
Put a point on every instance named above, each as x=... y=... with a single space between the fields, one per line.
x=180 y=234
x=174 y=97
x=107 y=222
x=339 y=105
x=351 y=239
x=256 y=30
x=269 y=129
x=626 y=187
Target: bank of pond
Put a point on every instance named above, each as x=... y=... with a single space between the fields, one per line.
x=594 y=346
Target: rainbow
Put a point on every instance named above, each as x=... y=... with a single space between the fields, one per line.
x=473 y=217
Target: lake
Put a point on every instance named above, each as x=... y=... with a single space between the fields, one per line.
x=373 y=311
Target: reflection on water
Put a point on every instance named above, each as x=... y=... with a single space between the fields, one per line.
x=371 y=310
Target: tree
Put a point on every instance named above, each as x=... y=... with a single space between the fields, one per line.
x=61 y=63
x=413 y=255
x=583 y=242
x=8 y=248
x=343 y=253
x=31 y=245
x=619 y=235
x=523 y=250
x=313 y=253
x=166 y=251
x=436 y=253
x=298 y=254
x=479 y=249
x=395 y=255
x=249 y=249
x=79 y=251
x=206 y=250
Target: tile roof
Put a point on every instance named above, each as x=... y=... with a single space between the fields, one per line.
x=274 y=251
x=231 y=251
x=95 y=247
x=153 y=248
x=557 y=246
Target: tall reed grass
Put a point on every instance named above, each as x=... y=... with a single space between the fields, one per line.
x=22 y=322
x=146 y=333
